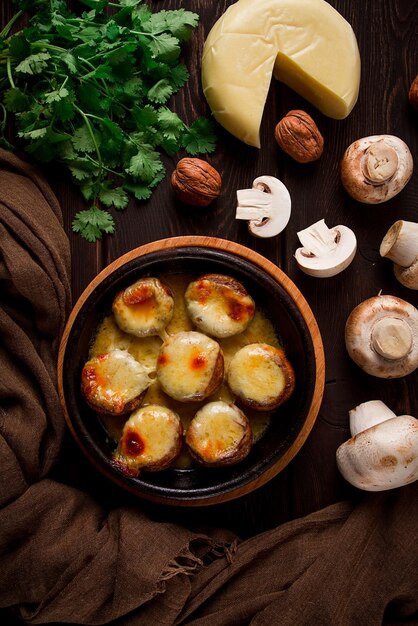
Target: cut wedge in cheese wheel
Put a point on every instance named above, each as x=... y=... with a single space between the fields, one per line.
x=219 y=434
x=307 y=44
x=151 y=440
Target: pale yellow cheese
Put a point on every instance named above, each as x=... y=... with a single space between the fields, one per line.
x=186 y=365
x=155 y=430
x=308 y=45
x=255 y=373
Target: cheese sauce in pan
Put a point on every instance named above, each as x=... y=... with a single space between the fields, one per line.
x=145 y=349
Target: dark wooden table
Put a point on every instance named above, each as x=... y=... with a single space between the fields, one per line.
x=388 y=42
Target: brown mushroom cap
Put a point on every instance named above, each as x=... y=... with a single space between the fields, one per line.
x=381 y=336
x=376 y=168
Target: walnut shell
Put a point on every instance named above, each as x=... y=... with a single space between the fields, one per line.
x=298 y=135
x=196 y=182
x=413 y=94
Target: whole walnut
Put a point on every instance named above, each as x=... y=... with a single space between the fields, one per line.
x=413 y=93
x=196 y=182
x=298 y=135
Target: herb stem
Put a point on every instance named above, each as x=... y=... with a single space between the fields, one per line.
x=9 y=73
x=6 y=30
x=3 y=109
x=93 y=138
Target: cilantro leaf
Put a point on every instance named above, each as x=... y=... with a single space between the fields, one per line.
x=83 y=140
x=15 y=100
x=170 y=123
x=93 y=223
x=160 y=92
x=56 y=95
x=90 y=90
x=34 y=63
x=114 y=197
x=200 y=137
x=145 y=165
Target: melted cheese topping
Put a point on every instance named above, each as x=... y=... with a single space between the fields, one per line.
x=151 y=436
x=145 y=349
x=255 y=373
x=186 y=365
x=216 y=431
x=144 y=308
x=219 y=306
x=113 y=379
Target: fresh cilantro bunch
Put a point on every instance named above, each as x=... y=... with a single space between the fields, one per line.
x=91 y=90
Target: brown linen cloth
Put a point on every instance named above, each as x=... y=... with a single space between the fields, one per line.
x=65 y=559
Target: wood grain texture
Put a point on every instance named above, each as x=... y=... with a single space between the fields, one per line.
x=387 y=37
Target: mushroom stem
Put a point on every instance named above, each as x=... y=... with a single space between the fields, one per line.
x=391 y=337
x=253 y=204
x=318 y=239
x=368 y=414
x=380 y=163
x=400 y=244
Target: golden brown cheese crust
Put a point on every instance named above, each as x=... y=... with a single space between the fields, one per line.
x=219 y=434
x=190 y=366
x=151 y=440
x=144 y=308
x=219 y=305
x=114 y=383
x=261 y=377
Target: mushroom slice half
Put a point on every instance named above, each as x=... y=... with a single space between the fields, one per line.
x=381 y=336
x=267 y=206
x=376 y=168
x=400 y=244
x=385 y=454
x=326 y=251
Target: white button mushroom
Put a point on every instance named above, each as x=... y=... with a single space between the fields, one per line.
x=400 y=244
x=383 y=450
x=326 y=251
x=266 y=206
x=374 y=169
x=381 y=336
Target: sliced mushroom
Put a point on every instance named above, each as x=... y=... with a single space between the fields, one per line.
x=266 y=206
x=374 y=169
x=326 y=251
x=400 y=244
x=381 y=336
x=384 y=455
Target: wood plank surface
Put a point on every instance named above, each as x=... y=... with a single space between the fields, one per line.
x=388 y=42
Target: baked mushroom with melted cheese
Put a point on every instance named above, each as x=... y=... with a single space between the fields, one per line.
x=151 y=440
x=114 y=382
x=144 y=308
x=190 y=366
x=260 y=376
x=219 y=434
x=219 y=305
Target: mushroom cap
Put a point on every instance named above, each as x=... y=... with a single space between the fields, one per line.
x=407 y=276
x=376 y=168
x=382 y=457
x=369 y=343
x=325 y=261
